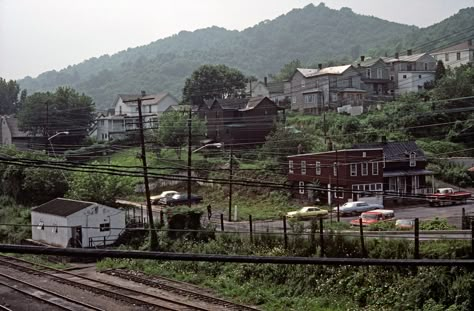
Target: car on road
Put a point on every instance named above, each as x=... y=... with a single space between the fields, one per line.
x=165 y=194
x=448 y=196
x=180 y=199
x=405 y=224
x=308 y=212
x=373 y=217
x=357 y=207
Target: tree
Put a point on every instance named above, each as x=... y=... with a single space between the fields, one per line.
x=8 y=96
x=173 y=130
x=457 y=82
x=100 y=188
x=213 y=81
x=287 y=71
x=63 y=110
x=440 y=71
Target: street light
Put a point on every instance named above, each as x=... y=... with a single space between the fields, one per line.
x=52 y=148
x=217 y=145
x=57 y=134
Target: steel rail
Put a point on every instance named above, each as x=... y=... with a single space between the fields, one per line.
x=109 y=293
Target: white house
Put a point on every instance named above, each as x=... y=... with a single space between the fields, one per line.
x=456 y=55
x=124 y=116
x=256 y=89
x=70 y=223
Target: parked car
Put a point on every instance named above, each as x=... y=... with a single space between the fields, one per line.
x=405 y=224
x=357 y=207
x=308 y=212
x=180 y=199
x=165 y=194
x=375 y=216
x=447 y=196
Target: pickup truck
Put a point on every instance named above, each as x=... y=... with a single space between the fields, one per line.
x=447 y=196
x=375 y=216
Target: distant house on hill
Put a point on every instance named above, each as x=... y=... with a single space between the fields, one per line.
x=315 y=90
x=123 y=119
x=456 y=55
x=238 y=120
x=375 y=76
x=11 y=135
x=256 y=89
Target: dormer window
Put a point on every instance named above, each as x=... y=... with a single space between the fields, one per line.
x=412 y=159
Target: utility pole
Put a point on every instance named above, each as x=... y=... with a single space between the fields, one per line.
x=46 y=128
x=153 y=235
x=337 y=186
x=189 y=155
x=230 y=183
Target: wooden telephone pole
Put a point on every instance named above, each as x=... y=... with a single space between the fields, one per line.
x=153 y=235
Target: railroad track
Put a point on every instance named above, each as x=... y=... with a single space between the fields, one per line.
x=117 y=292
x=171 y=286
x=60 y=301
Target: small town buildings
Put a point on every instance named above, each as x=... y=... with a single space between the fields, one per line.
x=375 y=76
x=123 y=118
x=456 y=55
x=404 y=167
x=238 y=120
x=11 y=135
x=315 y=90
x=71 y=223
x=336 y=176
x=410 y=72
x=257 y=89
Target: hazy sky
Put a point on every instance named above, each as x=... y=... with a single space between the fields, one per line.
x=41 y=35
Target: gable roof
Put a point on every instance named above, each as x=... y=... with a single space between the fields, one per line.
x=12 y=124
x=368 y=62
x=404 y=58
x=62 y=207
x=241 y=104
x=157 y=98
x=396 y=151
x=466 y=45
x=335 y=70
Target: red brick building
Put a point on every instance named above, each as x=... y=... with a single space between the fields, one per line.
x=332 y=176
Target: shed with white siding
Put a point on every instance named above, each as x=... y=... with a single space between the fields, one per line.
x=71 y=223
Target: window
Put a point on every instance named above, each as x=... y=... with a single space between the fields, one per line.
x=365 y=169
x=412 y=159
x=318 y=168
x=404 y=76
x=369 y=72
x=379 y=73
x=308 y=99
x=350 y=82
x=303 y=84
x=339 y=193
x=458 y=56
x=41 y=225
x=301 y=187
x=303 y=167
x=120 y=110
x=149 y=109
x=446 y=57
x=104 y=227
x=426 y=66
x=375 y=168
x=334 y=168
x=293 y=99
x=290 y=167
x=391 y=78
x=353 y=169
x=378 y=186
x=364 y=154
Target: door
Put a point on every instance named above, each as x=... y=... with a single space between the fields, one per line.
x=76 y=237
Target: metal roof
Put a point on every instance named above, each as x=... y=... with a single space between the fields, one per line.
x=466 y=45
x=62 y=207
x=336 y=70
x=404 y=58
x=396 y=151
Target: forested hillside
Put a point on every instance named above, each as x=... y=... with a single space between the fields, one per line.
x=314 y=34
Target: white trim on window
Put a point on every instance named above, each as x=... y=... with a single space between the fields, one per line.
x=301 y=187
x=375 y=168
x=353 y=169
x=290 y=167
x=303 y=167
x=339 y=192
x=334 y=168
x=364 y=168
x=412 y=159
x=318 y=168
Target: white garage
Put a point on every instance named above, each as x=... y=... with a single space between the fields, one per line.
x=71 y=223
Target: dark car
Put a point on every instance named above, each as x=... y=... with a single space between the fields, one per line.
x=180 y=199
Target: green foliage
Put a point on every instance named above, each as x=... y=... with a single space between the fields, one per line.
x=63 y=110
x=436 y=224
x=287 y=71
x=100 y=188
x=12 y=213
x=213 y=81
x=441 y=147
x=457 y=82
x=8 y=96
x=451 y=173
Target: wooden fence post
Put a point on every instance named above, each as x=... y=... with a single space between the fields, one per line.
x=162 y=219
x=222 y=222
x=417 y=239
x=285 y=236
x=321 y=236
x=472 y=239
x=362 y=245
x=251 y=228
x=463 y=219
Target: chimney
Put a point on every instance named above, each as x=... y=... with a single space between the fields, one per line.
x=358 y=65
x=396 y=55
x=320 y=66
x=469 y=42
x=265 y=81
x=362 y=58
x=384 y=139
x=409 y=52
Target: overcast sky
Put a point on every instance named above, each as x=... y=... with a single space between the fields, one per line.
x=41 y=35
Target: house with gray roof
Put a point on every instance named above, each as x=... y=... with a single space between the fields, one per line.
x=410 y=72
x=456 y=55
x=123 y=119
x=316 y=90
x=11 y=135
x=375 y=76
x=72 y=223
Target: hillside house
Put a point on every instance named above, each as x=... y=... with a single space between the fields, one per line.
x=336 y=176
x=315 y=90
x=257 y=89
x=409 y=73
x=375 y=76
x=238 y=120
x=456 y=55
x=71 y=223
x=123 y=118
x=404 y=167
x=11 y=135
